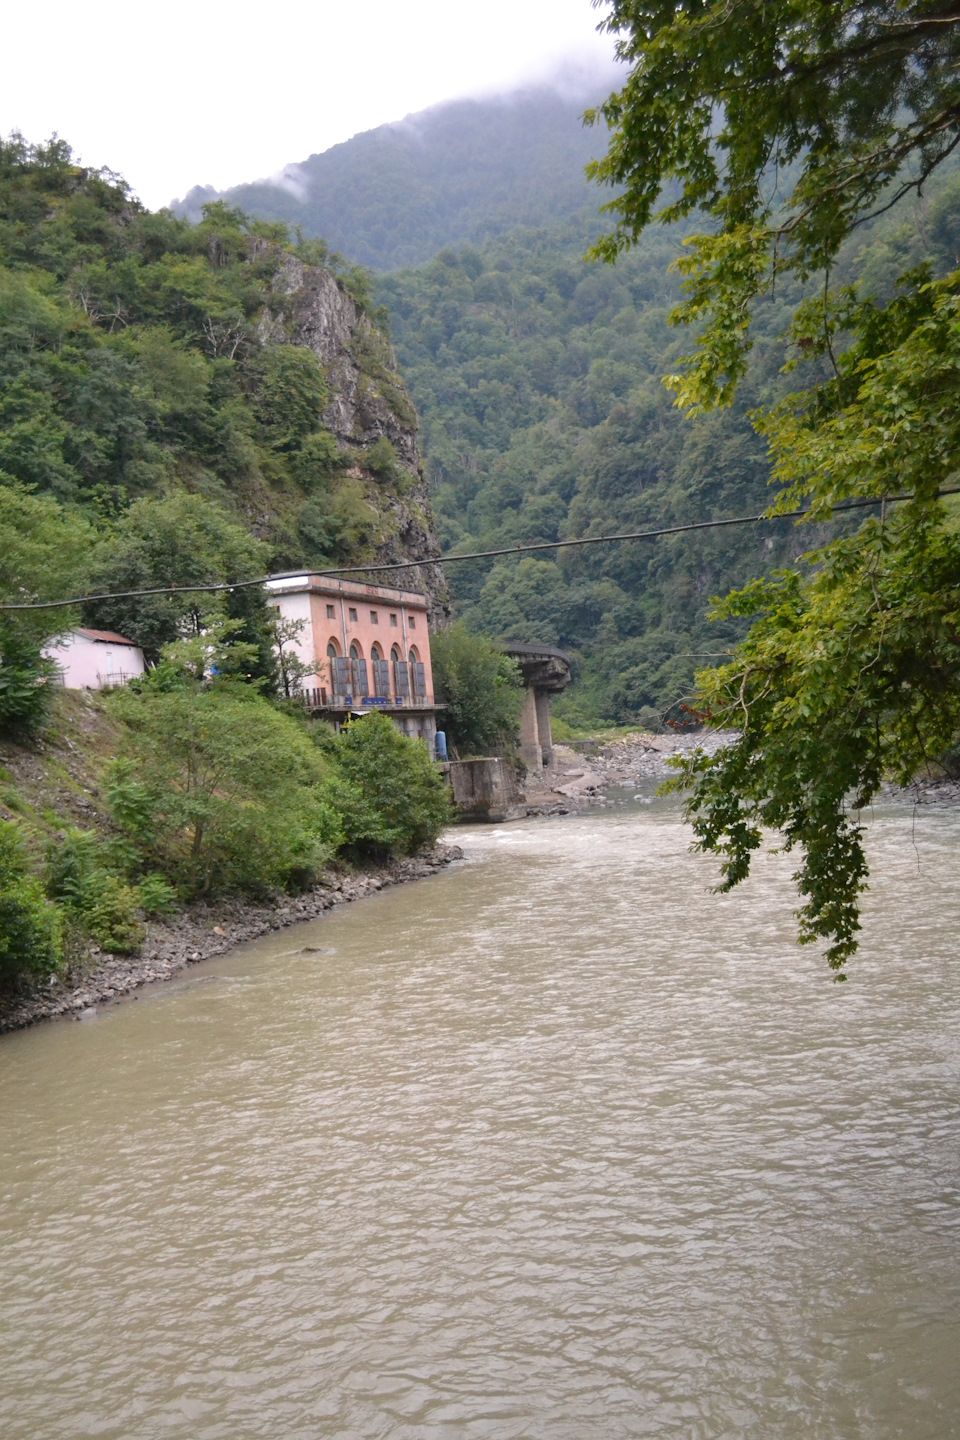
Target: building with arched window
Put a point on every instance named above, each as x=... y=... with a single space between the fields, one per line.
x=364 y=646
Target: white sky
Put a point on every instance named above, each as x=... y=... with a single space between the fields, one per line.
x=182 y=92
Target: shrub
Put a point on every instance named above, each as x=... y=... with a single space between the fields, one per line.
x=382 y=460
x=219 y=789
x=480 y=689
x=292 y=395
x=156 y=896
x=390 y=793
x=98 y=900
x=31 y=941
x=319 y=459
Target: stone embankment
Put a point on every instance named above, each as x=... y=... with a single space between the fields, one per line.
x=206 y=930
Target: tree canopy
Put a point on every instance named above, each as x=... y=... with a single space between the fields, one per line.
x=787 y=124
x=786 y=127
x=480 y=689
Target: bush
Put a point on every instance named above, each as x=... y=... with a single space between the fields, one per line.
x=480 y=688
x=98 y=900
x=31 y=941
x=650 y=719
x=218 y=789
x=292 y=395
x=156 y=896
x=382 y=460
x=390 y=793
x=318 y=460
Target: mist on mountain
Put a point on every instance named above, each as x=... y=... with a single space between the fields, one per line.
x=468 y=170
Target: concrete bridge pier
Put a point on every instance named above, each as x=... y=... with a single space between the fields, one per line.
x=546 y=672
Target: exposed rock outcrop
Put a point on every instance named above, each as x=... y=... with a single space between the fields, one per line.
x=308 y=305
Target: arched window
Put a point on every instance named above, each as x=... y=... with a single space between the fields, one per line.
x=418 y=676
x=339 y=670
x=381 y=673
x=401 y=674
x=358 y=669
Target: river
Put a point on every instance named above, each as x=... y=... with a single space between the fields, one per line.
x=554 y=1144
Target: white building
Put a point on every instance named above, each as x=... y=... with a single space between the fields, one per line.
x=95 y=659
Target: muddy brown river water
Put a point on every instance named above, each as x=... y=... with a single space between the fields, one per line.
x=554 y=1144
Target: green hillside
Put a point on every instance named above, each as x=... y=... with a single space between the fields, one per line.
x=161 y=402
x=182 y=405
x=538 y=379
x=464 y=171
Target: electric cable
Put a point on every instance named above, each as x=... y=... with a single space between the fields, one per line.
x=394 y=565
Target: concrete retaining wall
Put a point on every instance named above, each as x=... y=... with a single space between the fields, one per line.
x=482 y=789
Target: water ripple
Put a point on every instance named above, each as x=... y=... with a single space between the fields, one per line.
x=558 y=1144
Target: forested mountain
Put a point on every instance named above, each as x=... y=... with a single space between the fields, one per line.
x=463 y=171
x=538 y=379
x=185 y=403
x=152 y=365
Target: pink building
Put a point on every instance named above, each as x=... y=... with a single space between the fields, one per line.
x=365 y=646
x=95 y=659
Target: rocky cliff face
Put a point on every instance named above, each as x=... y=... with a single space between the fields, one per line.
x=307 y=305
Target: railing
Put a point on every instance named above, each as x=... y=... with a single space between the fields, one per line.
x=320 y=699
x=115 y=678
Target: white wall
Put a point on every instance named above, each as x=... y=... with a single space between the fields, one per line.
x=297 y=607
x=91 y=664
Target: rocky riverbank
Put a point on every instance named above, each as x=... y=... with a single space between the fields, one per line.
x=941 y=792
x=579 y=779
x=205 y=930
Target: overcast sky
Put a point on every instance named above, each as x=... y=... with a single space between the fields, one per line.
x=187 y=92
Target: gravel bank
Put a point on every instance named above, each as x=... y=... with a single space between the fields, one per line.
x=582 y=779
x=925 y=792
x=207 y=930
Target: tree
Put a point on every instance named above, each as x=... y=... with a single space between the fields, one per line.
x=786 y=124
x=391 y=794
x=184 y=540
x=45 y=553
x=26 y=680
x=221 y=790
x=480 y=689
x=850 y=670
x=292 y=396
x=291 y=670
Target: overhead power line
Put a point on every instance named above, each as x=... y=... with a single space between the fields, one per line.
x=452 y=559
